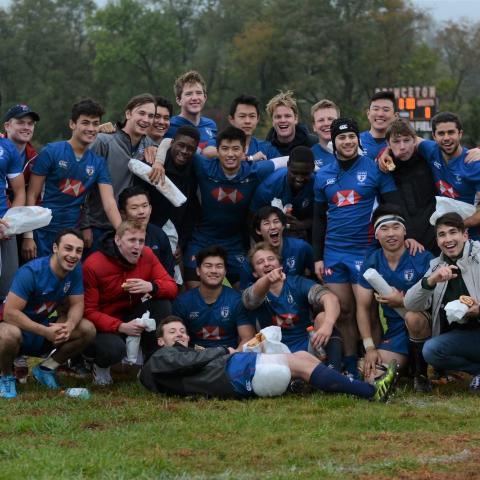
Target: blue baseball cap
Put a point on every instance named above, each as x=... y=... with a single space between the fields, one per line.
x=19 y=111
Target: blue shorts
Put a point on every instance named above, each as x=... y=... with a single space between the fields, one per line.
x=34 y=345
x=343 y=266
x=235 y=259
x=298 y=346
x=395 y=339
x=241 y=370
x=44 y=240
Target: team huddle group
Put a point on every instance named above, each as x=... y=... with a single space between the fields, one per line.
x=275 y=232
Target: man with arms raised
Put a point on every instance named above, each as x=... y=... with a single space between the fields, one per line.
x=41 y=287
x=213 y=313
x=454 y=274
x=286 y=301
x=401 y=270
x=65 y=171
x=123 y=280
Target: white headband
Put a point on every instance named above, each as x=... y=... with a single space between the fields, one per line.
x=386 y=219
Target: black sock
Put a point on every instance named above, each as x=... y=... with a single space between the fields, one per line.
x=334 y=353
x=420 y=366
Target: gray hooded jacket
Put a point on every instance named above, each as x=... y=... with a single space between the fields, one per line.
x=418 y=298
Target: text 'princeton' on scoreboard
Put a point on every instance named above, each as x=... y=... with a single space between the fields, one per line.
x=418 y=104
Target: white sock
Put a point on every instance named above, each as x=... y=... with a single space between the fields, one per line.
x=50 y=363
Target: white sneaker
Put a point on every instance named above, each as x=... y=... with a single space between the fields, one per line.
x=101 y=376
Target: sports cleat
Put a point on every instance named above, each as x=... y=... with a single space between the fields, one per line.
x=101 y=376
x=386 y=384
x=8 y=388
x=421 y=384
x=20 y=369
x=475 y=384
x=45 y=377
x=78 y=368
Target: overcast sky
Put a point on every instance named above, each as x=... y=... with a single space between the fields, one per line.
x=441 y=10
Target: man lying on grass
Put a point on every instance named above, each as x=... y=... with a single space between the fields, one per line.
x=226 y=373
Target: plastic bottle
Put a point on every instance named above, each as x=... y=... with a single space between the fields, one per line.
x=319 y=351
x=82 y=393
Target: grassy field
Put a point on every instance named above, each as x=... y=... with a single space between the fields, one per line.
x=124 y=432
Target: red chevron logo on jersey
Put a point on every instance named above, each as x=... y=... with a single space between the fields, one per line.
x=211 y=333
x=343 y=198
x=227 y=195
x=446 y=189
x=285 y=320
x=72 y=187
x=45 y=307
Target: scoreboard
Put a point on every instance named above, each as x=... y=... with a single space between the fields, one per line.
x=418 y=104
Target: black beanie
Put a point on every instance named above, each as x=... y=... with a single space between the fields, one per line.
x=343 y=125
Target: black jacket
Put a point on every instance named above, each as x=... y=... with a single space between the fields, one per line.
x=415 y=184
x=179 y=370
x=302 y=138
x=184 y=216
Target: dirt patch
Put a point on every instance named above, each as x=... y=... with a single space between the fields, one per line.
x=93 y=426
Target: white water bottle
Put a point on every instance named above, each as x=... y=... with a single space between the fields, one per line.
x=82 y=393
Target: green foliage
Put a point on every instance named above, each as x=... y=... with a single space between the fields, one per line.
x=52 y=52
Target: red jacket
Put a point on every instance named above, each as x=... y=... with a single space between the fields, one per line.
x=106 y=302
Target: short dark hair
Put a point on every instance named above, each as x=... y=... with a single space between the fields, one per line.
x=444 y=117
x=163 y=102
x=68 y=231
x=400 y=127
x=129 y=192
x=384 y=96
x=166 y=321
x=450 y=219
x=188 y=131
x=244 y=100
x=211 y=251
x=386 y=209
x=138 y=100
x=232 y=133
x=262 y=214
x=87 y=107
x=301 y=154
